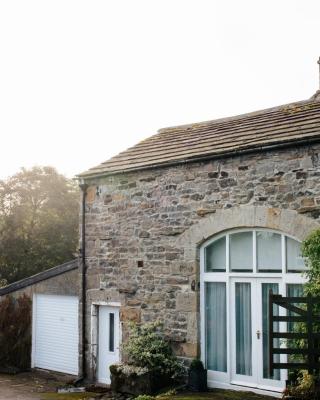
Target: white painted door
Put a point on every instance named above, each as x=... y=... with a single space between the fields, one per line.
x=55 y=341
x=108 y=342
x=249 y=338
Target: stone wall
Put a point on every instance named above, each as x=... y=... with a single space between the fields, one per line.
x=137 y=224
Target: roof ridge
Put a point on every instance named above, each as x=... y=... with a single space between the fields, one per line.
x=239 y=116
x=295 y=122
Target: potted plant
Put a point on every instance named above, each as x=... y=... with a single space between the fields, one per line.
x=197 y=379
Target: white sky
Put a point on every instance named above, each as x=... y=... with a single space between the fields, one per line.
x=82 y=80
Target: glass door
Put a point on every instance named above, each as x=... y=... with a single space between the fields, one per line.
x=244 y=369
x=249 y=333
x=265 y=380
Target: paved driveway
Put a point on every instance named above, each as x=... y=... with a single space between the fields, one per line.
x=33 y=386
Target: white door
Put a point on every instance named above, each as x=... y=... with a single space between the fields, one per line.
x=249 y=333
x=108 y=343
x=55 y=341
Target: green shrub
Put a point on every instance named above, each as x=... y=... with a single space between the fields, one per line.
x=144 y=397
x=147 y=348
x=15 y=332
x=305 y=387
x=3 y=283
x=311 y=254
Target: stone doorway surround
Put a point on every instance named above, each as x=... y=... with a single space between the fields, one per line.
x=289 y=222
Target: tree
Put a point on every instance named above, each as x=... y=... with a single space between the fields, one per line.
x=38 y=222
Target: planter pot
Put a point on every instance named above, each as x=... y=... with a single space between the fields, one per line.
x=126 y=380
x=197 y=380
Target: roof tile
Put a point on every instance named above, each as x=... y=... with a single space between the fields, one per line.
x=261 y=129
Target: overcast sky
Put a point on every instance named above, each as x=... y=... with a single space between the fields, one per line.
x=81 y=81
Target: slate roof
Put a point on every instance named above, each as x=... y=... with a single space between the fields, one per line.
x=261 y=130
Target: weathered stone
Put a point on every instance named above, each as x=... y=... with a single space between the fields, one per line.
x=177 y=280
x=202 y=212
x=186 y=302
x=197 y=196
x=127 y=287
x=307 y=202
x=224 y=183
x=144 y=234
x=132 y=314
x=185 y=349
x=107 y=199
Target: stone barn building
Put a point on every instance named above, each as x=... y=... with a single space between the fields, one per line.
x=193 y=226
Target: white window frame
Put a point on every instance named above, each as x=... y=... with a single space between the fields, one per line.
x=285 y=278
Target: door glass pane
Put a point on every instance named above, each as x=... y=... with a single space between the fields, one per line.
x=216 y=326
x=243 y=329
x=111 y=332
x=241 y=251
x=294 y=290
x=295 y=262
x=266 y=287
x=215 y=255
x=269 y=251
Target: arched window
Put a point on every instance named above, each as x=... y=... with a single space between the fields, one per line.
x=257 y=250
x=238 y=269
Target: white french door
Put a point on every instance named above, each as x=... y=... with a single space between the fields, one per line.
x=238 y=269
x=249 y=347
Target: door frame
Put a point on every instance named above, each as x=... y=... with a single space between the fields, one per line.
x=257 y=380
x=95 y=333
x=224 y=379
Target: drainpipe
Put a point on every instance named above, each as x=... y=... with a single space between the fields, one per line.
x=83 y=186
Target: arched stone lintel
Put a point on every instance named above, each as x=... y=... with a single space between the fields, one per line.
x=286 y=221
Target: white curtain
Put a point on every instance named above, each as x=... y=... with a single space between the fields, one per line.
x=266 y=287
x=243 y=329
x=216 y=326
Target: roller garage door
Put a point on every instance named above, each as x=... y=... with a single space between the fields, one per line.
x=55 y=332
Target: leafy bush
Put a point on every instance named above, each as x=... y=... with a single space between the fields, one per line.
x=147 y=348
x=311 y=254
x=304 y=383
x=305 y=387
x=161 y=396
x=3 y=283
x=145 y=397
x=15 y=332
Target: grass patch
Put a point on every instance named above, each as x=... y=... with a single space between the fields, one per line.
x=217 y=394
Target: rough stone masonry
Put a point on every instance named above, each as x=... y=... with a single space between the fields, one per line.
x=135 y=218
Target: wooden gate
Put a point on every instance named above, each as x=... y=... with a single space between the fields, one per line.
x=310 y=333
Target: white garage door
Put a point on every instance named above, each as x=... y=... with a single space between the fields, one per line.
x=55 y=333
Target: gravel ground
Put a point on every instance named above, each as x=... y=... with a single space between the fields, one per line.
x=33 y=386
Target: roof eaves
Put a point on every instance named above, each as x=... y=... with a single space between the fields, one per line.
x=214 y=156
